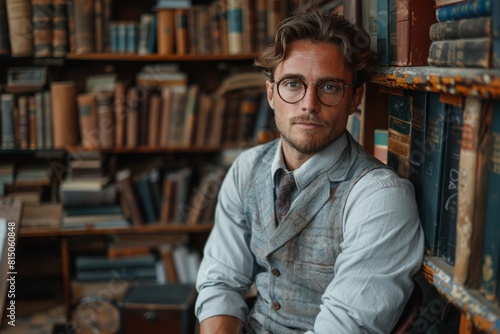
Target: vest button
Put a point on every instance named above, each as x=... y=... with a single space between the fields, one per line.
x=276 y=306
x=275 y=272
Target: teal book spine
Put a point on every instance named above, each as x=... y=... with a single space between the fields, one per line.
x=417 y=143
x=98 y=262
x=449 y=198
x=393 y=33
x=467 y=9
x=433 y=167
x=383 y=31
x=470 y=52
x=400 y=115
x=491 y=248
x=142 y=189
x=466 y=28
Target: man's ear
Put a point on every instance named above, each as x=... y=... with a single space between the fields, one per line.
x=357 y=98
x=270 y=91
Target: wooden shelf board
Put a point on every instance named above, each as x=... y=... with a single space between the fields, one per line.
x=484 y=313
x=152 y=228
x=156 y=57
x=483 y=83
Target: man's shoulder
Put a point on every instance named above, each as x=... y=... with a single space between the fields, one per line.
x=263 y=152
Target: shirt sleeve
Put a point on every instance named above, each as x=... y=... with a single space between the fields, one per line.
x=383 y=248
x=226 y=270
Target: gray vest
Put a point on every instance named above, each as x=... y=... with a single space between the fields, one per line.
x=295 y=261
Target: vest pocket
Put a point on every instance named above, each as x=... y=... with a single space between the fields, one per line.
x=313 y=277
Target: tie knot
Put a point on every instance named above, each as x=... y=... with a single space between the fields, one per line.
x=287 y=183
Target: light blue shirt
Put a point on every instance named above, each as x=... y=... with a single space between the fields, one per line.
x=348 y=303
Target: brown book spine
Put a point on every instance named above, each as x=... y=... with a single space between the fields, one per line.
x=154 y=120
x=105 y=119
x=167 y=207
x=19 y=18
x=412 y=19
x=132 y=132
x=249 y=26
x=181 y=32
x=106 y=20
x=87 y=113
x=32 y=123
x=59 y=30
x=98 y=26
x=165 y=117
x=64 y=114
x=166 y=31
x=215 y=38
x=191 y=19
x=167 y=257
x=143 y=110
x=276 y=12
x=22 y=103
x=42 y=27
x=70 y=15
x=119 y=110
x=84 y=26
x=126 y=187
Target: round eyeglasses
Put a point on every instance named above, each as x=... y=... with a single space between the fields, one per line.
x=329 y=92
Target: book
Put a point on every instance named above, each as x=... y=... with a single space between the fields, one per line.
x=40 y=119
x=412 y=18
x=98 y=26
x=398 y=145
x=145 y=197
x=22 y=103
x=84 y=26
x=154 y=120
x=463 y=10
x=131 y=37
x=32 y=123
x=430 y=192
x=383 y=37
x=125 y=187
x=70 y=15
x=42 y=27
x=418 y=143
x=235 y=26
x=470 y=52
x=18 y=18
x=464 y=28
x=495 y=27
x=470 y=184
x=47 y=114
x=89 y=262
x=276 y=12
x=448 y=222
x=260 y=24
x=372 y=23
x=4 y=33
x=42 y=215
x=166 y=254
x=145 y=29
x=105 y=123
x=132 y=126
x=490 y=261
x=192 y=97
x=119 y=104
x=380 y=144
x=87 y=114
x=7 y=120
x=64 y=114
x=165 y=31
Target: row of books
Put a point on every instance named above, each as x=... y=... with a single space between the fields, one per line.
x=448 y=147
x=160 y=110
x=81 y=26
x=458 y=33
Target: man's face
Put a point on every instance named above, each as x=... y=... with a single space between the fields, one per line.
x=308 y=126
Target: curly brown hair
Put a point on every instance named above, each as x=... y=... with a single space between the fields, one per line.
x=321 y=26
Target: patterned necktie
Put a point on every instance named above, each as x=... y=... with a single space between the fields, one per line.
x=286 y=186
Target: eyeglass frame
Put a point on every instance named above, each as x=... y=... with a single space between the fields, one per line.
x=306 y=84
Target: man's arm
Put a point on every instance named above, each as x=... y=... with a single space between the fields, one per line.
x=221 y=324
x=382 y=250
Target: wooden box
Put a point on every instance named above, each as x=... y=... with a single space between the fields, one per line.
x=151 y=309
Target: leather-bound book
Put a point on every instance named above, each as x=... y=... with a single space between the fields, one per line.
x=18 y=18
x=64 y=114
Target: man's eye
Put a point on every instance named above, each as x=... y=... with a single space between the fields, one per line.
x=291 y=84
x=330 y=87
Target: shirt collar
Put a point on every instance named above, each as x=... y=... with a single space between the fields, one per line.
x=318 y=164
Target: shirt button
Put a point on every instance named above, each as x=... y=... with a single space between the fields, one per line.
x=275 y=272
x=276 y=306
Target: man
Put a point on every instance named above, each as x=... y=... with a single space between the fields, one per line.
x=342 y=257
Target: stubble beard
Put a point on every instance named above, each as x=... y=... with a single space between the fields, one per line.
x=310 y=145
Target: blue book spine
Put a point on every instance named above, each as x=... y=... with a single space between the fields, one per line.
x=383 y=31
x=145 y=199
x=468 y=9
x=152 y=47
x=434 y=155
x=449 y=197
x=121 y=37
x=7 y=107
x=132 y=34
x=495 y=27
x=491 y=245
x=417 y=143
